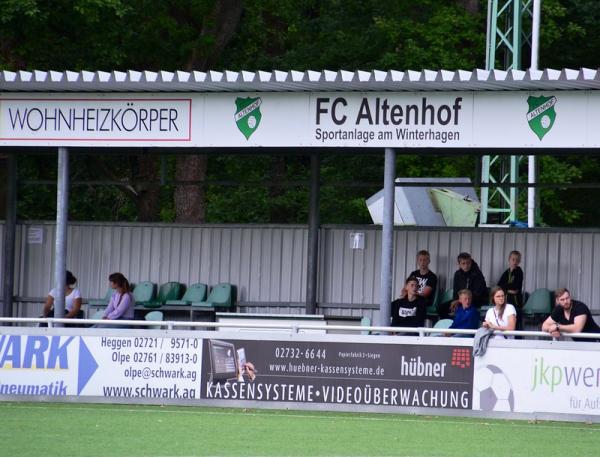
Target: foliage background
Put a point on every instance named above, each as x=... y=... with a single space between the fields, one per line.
x=267 y=35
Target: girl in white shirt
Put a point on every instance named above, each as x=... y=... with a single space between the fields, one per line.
x=503 y=316
x=72 y=300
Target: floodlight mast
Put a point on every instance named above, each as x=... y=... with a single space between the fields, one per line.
x=506 y=36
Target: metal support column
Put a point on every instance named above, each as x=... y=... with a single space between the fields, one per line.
x=10 y=235
x=387 y=238
x=60 y=249
x=313 y=235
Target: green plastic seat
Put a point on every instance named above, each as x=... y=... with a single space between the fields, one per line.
x=194 y=293
x=538 y=303
x=221 y=296
x=442 y=323
x=447 y=296
x=432 y=309
x=98 y=315
x=101 y=301
x=365 y=322
x=167 y=291
x=143 y=292
x=484 y=309
x=154 y=316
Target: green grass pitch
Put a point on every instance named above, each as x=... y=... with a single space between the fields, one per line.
x=90 y=430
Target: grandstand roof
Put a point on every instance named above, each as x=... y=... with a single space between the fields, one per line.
x=298 y=81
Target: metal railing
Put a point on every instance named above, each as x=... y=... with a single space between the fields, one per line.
x=293 y=328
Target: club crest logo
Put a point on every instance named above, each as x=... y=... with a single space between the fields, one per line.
x=541 y=114
x=248 y=115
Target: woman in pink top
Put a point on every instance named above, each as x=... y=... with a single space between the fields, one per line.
x=121 y=304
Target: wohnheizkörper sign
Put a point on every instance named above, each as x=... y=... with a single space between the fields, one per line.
x=318 y=119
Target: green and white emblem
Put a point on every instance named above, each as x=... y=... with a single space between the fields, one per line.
x=248 y=115
x=541 y=114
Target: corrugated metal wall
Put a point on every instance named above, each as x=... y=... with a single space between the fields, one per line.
x=268 y=263
x=550 y=259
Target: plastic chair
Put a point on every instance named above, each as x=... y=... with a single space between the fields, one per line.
x=143 y=292
x=194 y=293
x=101 y=301
x=221 y=296
x=167 y=291
x=538 y=303
x=442 y=323
x=432 y=309
x=154 y=316
x=98 y=314
x=365 y=322
x=447 y=296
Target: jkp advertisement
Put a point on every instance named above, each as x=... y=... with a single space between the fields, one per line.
x=338 y=373
x=537 y=380
x=479 y=119
x=107 y=366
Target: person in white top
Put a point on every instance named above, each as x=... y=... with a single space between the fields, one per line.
x=72 y=300
x=502 y=316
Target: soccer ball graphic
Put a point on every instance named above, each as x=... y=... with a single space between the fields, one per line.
x=545 y=121
x=251 y=122
x=492 y=390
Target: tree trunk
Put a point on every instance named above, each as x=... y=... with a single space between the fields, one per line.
x=472 y=6
x=190 y=201
x=147 y=188
x=277 y=211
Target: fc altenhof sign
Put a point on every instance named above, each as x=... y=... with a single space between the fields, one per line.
x=269 y=119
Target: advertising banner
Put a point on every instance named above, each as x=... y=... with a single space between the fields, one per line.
x=86 y=120
x=516 y=379
x=478 y=119
x=534 y=380
x=106 y=366
x=403 y=375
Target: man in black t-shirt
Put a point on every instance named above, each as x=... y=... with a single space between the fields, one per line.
x=410 y=310
x=426 y=279
x=570 y=316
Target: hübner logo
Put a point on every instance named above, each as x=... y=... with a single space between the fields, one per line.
x=541 y=114
x=248 y=115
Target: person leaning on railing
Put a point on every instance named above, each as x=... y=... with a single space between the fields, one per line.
x=570 y=316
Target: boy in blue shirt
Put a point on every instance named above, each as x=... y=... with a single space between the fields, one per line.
x=465 y=315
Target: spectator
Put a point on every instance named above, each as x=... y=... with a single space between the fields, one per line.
x=427 y=280
x=466 y=316
x=569 y=316
x=410 y=310
x=468 y=276
x=72 y=300
x=503 y=316
x=121 y=304
x=511 y=282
